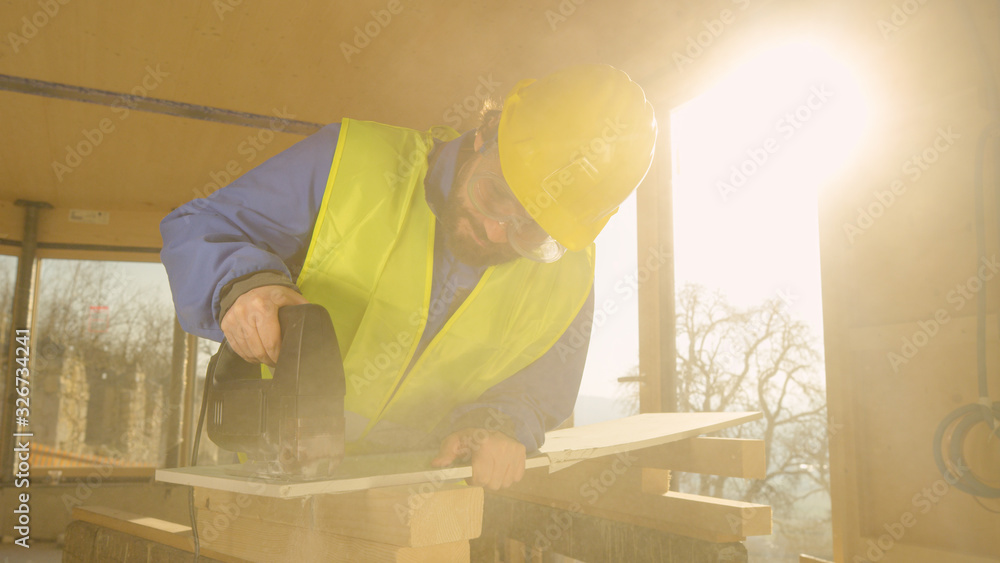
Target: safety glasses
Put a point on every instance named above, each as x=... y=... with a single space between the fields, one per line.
x=492 y=197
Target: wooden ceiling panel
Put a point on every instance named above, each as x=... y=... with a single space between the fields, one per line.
x=329 y=60
x=139 y=161
x=392 y=61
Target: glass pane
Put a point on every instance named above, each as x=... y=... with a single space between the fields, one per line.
x=614 y=340
x=102 y=341
x=8 y=275
x=750 y=156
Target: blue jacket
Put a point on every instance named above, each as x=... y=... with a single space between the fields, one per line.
x=263 y=221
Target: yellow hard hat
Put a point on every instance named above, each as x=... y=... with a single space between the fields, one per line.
x=573 y=146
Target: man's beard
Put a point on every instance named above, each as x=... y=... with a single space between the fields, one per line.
x=464 y=246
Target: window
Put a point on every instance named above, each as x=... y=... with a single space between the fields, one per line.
x=614 y=339
x=750 y=156
x=8 y=275
x=102 y=354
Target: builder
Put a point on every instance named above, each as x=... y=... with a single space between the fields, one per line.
x=451 y=265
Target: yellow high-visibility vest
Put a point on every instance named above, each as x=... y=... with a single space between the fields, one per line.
x=370 y=263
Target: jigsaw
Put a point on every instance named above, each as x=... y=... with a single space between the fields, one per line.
x=291 y=426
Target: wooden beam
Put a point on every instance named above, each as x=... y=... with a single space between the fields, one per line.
x=655 y=481
x=160 y=531
x=149 y=104
x=902 y=551
x=547 y=529
x=613 y=488
x=135 y=229
x=719 y=515
x=729 y=457
x=654 y=217
x=432 y=514
x=259 y=540
x=406 y=516
x=82 y=472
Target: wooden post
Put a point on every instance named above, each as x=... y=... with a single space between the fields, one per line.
x=657 y=346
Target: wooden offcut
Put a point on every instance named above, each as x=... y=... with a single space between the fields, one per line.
x=729 y=457
x=614 y=488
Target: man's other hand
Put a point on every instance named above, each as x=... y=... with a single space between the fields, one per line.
x=251 y=324
x=497 y=459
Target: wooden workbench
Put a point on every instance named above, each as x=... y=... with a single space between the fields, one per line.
x=599 y=493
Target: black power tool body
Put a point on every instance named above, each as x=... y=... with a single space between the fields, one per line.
x=292 y=425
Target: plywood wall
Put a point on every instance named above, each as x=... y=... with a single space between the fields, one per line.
x=898 y=238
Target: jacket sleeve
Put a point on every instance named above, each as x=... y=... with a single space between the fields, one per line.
x=539 y=397
x=260 y=222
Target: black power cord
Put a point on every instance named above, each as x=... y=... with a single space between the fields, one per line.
x=209 y=377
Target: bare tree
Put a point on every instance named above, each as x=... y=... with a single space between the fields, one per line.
x=6 y=305
x=95 y=314
x=757 y=359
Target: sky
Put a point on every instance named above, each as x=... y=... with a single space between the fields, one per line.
x=749 y=156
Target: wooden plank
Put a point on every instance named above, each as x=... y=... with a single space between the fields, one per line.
x=546 y=529
x=431 y=514
x=515 y=551
x=404 y=516
x=86 y=542
x=562 y=447
x=655 y=481
x=635 y=432
x=909 y=553
x=259 y=540
x=654 y=237
x=729 y=457
x=106 y=472
x=160 y=531
x=719 y=515
x=614 y=490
